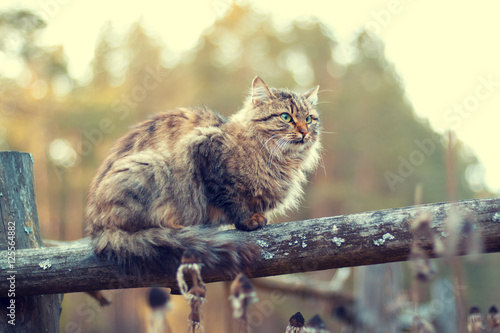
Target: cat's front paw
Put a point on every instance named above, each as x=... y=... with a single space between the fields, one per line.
x=257 y=221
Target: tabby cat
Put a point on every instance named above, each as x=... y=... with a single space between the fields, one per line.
x=185 y=170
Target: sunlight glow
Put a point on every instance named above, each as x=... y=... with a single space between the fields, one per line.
x=441 y=58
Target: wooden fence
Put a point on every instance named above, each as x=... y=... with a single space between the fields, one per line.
x=37 y=275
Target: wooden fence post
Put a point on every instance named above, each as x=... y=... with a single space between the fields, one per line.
x=19 y=229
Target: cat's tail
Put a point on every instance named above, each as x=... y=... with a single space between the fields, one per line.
x=224 y=251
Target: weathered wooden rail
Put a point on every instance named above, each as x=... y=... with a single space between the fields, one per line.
x=316 y=244
x=330 y=242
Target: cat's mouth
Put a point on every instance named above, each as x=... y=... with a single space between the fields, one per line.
x=301 y=141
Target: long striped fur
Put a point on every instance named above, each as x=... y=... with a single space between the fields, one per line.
x=187 y=169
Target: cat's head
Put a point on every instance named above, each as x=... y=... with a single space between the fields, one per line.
x=281 y=117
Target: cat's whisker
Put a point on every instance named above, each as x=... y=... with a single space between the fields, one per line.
x=265 y=143
x=278 y=148
x=322 y=164
x=285 y=139
x=283 y=145
x=271 y=154
x=325 y=90
x=323 y=132
x=273 y=149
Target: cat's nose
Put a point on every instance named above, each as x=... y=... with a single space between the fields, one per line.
x=302 y=130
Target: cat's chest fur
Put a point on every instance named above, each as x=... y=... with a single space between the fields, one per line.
x=235 y=164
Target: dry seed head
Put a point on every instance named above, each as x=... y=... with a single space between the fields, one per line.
x=315 y=325
x=197 y=291
x=475 y=320
x=191 y=266
x=474 y=238
x=475 y=310
x=242 y=295
x=422 y=223
x=423 y=326
x=295 y=324
x=196 y=298
x=423 y=232
x=453 y=223
x=439 y=247
x=493 y=317
x=297 y=320
x=158 y=298
x=195 y=302
x=421 y=264
x=345 y=313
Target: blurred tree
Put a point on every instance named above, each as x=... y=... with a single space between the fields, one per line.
x=102 y=62
x=376 y=150
x=18 y=29
x=144 y=72
x=32 y=96
x=383 y=150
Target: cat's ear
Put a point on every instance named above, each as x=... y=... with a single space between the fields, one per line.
x=312 y=95
x=260 y=91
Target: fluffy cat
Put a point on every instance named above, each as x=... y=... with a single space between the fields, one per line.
x=187 y=169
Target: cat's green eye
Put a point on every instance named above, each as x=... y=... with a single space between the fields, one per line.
x=286 y=117
x=309 y=120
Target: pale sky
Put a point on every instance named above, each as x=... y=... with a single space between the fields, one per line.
x=446 y=52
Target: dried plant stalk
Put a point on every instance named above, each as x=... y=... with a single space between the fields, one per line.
x=242 y=296
x=195 y=294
